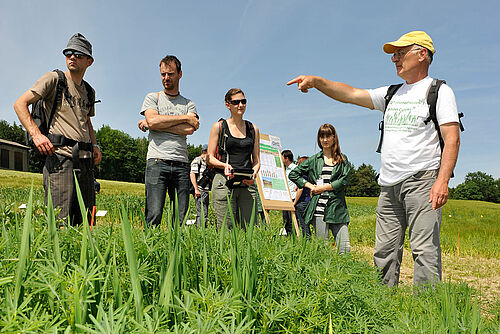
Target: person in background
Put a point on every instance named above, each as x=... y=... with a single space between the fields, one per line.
x=301 y=201
x=287 y=158
x=328 y=172
x=201 y=195
x=239 y=150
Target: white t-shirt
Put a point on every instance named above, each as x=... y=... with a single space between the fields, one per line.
x=409 y=145
x=291 y=185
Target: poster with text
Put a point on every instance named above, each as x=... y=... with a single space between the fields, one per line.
x=272 y=174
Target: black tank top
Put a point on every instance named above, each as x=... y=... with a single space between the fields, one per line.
x=240 y=149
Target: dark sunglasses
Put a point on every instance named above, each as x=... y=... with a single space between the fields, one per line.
x=237 y=102
x=69 y=53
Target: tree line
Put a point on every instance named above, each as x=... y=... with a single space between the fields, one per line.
x=124 y=159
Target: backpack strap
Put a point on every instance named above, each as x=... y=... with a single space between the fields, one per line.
x=221 y=142
x=390 y=93
x=60 y=140
x=60 y=88
x=432 y=96
x=90 y=94
x=250 y=130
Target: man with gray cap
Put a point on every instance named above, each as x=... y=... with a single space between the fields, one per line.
x=70 y=144
x=201 y=184
x=414 y=173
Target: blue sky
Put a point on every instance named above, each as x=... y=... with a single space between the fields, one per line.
x=258 y=46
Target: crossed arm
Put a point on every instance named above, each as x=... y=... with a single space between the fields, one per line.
x=177 y=124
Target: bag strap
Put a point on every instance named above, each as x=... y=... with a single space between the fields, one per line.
x=390 y=93
x=250 y=129
x=60 y=86
x=432 y=96
x=90 y=94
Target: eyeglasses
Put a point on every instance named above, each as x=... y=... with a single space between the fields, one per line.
x=237 y=102
x=401 y=53
x=69 y=53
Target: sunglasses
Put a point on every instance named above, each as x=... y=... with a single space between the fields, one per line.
x=237 y=102
x=69 y=53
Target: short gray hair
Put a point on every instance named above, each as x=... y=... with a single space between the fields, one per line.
x=429 y=55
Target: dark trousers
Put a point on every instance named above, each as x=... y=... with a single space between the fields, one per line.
x=287 y=220
x=58 y=175
x=200 y=202
x=300 y=211
x=164 y=176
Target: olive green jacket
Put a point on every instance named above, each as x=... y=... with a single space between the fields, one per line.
x=336 y=208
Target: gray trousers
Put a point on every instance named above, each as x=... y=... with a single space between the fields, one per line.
x=199 y=201
x=58 y=175
x=402 y=206
x=340 y=233
x=242 y=203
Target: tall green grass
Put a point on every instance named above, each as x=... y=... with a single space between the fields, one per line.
x=184 y=280
x=471 y=225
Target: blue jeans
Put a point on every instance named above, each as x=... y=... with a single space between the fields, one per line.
x=203 y=200
x=163 y=176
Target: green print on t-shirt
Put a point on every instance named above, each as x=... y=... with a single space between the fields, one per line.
x=401 y=116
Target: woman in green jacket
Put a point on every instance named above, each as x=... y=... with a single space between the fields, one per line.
x=329 y=172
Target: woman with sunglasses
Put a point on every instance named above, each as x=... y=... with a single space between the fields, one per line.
x=328 y=172
x=233 y=151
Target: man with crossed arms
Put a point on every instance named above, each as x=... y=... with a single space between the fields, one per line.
x=170 y=117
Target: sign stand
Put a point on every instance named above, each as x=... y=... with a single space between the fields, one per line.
x=272 y=182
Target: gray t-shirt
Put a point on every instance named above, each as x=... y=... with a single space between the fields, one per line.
x=165 y=145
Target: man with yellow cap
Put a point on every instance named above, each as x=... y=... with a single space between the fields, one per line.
x=414 y=173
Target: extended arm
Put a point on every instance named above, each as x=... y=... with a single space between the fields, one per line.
x=21 y=107
x=438 y=195
x=336 y=90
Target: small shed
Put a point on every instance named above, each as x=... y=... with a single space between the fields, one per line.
x=13 y=155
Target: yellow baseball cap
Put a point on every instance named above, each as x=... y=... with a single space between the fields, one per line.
x=413 y=37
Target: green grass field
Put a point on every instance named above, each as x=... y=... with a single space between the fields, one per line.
x=117 y=278
x=473 y=226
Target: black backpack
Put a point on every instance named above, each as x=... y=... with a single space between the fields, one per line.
x=432 y=96
x=40 y=116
